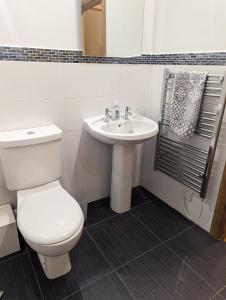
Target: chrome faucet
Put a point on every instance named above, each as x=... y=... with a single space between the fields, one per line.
x=127 y=112
x=115 y=111
x=108 y=116
x=116 y=114
x=113 y=114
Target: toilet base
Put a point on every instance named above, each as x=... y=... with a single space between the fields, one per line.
x=55 y=267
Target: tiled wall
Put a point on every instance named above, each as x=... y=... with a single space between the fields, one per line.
x=36 y=94
x=69 y=56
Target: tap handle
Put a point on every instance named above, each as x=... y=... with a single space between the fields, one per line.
x=107 y=112
x=128 y=109
x=107 y=115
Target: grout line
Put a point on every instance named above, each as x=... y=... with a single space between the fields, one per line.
x=118 y=214
x=112 y=271
x=143 y=204
x=40 y=290
x=98 y=247
x=87 y=285
x=162 y=241
x=131 y=260
x=101 y=221
x=218 y=293
x=14 y=257
x=145 y=226
x=138 y=256
x=124 y=284
x=165 y=244
x=177 y=234
x=101 y=277
x=191 y=268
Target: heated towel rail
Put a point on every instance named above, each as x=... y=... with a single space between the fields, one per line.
x=189 y=161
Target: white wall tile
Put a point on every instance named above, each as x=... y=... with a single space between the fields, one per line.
x=134 y=78
x=182 y=26
x=52 y=81
x=53 y=24
x=86 y=166
x=135 y=102
x=37 y=94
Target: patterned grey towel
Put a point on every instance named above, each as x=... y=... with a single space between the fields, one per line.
x=187 y=98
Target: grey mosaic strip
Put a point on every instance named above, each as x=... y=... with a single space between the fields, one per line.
x=210 y=58
x=70 y=56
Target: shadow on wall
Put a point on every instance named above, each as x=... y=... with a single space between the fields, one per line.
x=90 y=171
x=6 y=196
x=218 y=164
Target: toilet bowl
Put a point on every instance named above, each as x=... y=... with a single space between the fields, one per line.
x=51 y=222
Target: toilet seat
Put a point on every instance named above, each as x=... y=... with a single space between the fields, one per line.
x=48 y=214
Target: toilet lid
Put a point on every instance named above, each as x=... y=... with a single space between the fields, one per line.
x=49 y=216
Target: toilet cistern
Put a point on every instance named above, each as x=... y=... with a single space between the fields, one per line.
x=123 y=133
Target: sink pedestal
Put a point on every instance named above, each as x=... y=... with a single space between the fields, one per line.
x=124 y=135
x=122 y=177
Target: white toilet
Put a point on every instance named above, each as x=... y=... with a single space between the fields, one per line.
x=50 y=220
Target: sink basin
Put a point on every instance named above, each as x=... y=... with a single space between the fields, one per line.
x=134 y=130
x=123 y=135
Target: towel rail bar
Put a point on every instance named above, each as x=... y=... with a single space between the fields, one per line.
x=207 y=119
x=199 y=124
x=184 y=171
x=178 y=178
x=206 y=94
x=184 y=179
x=190 y=161
x=167 y=110
x=183 y=159
x=170 y=85
x=166 y=117
x=181 y=144
x=172 y=75
x=196 y=153
x=186 y=155
x=177 y=162
x=198 y=130
x=166 y=106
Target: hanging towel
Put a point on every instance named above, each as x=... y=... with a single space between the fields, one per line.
x=186 y=103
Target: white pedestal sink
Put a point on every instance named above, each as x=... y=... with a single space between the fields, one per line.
x=123 y=135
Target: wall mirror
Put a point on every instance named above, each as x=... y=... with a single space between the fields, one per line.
x=112 y=27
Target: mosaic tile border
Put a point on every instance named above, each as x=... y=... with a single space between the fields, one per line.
x=70 y=56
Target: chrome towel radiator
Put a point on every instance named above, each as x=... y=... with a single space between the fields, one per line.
x=189 y=161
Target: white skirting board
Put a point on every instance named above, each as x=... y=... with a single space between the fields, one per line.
x=9 y=241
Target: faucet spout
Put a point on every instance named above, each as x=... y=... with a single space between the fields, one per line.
x=127 y=112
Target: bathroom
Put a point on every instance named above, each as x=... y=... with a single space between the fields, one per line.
x=143 y=233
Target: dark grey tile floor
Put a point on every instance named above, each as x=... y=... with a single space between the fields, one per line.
x=151 y=252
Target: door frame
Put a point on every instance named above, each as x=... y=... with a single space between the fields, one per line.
x=218 y=226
